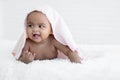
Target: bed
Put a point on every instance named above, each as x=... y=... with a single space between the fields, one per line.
x=101 y=63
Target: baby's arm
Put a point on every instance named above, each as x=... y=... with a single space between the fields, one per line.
x=26 y=55
x=67 y=51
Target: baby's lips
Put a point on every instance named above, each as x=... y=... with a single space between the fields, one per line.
x=36 y=36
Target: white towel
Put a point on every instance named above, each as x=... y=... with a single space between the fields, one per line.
x=60 y=32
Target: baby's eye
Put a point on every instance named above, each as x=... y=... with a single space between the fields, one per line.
x=29 y=25
x=41 y=26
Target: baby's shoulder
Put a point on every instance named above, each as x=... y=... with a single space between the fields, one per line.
x=54 y=41
x=52 y=38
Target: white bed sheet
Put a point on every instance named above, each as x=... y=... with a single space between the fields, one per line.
x=101 y=63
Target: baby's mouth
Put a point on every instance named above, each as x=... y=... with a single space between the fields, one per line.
x=36 y=36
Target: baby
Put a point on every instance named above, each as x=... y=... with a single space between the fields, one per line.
x=41 y=43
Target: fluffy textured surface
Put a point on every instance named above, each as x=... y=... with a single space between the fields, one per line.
x=101 y=63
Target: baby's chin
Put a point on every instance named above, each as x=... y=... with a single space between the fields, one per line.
x=37 y=41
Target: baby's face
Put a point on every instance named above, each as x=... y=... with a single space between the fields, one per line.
x=38 y=27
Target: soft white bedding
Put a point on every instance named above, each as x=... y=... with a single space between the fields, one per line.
x=101 y=63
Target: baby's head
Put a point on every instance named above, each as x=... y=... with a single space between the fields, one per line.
x=38 y=27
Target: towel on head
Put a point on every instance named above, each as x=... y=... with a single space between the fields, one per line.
x=59 y=28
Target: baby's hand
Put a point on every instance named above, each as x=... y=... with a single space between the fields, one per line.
x=28 y=56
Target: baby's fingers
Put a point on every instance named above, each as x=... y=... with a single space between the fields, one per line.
x=29 y=54
x=25 y=53
x=32 y=56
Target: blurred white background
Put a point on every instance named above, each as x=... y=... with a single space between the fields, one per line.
x=90 y=21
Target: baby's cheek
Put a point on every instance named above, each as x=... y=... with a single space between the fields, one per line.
x=28 y=31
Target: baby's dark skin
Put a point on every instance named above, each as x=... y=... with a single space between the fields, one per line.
x=40 y=43
x=46 y=50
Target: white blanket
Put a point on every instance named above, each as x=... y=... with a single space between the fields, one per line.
x=101 y=63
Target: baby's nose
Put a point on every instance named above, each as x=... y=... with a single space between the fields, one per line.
x=35 y=29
